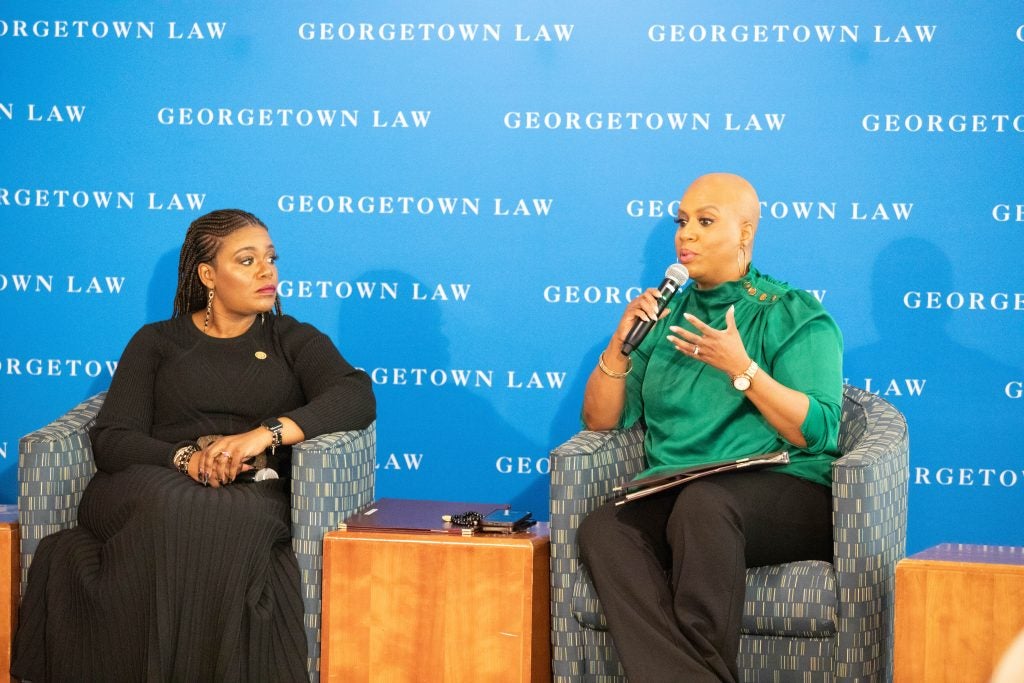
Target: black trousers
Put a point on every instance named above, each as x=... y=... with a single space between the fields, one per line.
x=670 y=569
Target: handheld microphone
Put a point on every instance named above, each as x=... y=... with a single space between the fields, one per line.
x=265 y=473
x=675 y=277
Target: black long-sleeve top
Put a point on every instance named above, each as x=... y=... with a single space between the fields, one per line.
x=174 y=384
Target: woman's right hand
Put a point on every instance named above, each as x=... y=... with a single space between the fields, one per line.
x=605 y=394
x=644 y=307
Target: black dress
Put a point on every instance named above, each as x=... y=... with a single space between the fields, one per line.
x=164 y=579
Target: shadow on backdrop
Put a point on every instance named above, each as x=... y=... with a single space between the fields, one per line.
x=658 y=254
x=162 y=287
x=919 y=365
x=163 y=282
x=435 y=439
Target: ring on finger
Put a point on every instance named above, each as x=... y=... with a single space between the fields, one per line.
x=696 y=350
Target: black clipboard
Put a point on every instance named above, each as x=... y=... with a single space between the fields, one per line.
x=666 y=479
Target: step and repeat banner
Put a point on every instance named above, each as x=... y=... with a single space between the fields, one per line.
x=466 y=194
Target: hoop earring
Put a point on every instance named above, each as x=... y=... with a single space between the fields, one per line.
x=741 y=259
x=209 y=311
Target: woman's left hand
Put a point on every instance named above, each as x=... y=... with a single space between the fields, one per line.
x=722 y=349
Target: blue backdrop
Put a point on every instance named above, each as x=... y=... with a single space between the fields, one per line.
x=465 y=194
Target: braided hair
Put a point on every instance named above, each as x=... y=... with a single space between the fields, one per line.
x=202 y=241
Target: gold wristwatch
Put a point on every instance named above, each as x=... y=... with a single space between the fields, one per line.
x=742 y=381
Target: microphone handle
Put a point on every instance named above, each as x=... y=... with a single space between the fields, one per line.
x=642 y=327
x=636 y=335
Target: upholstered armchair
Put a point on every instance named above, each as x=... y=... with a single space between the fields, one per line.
x=332 y=476
x=803 y=621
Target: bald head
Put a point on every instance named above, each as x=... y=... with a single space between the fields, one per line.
x=728 y=190
x=717 y=219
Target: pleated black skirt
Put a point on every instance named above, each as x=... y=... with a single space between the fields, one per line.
x=166 y=580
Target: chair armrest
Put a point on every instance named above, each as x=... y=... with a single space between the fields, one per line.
x=54 y=466
x=332 y=477
x=869 y=510
x=586 y=468
x=583 y=472
x=869 y=483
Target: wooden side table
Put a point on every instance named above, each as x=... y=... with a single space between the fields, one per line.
x=401 y=606
x=10 y=585
x=958 y=607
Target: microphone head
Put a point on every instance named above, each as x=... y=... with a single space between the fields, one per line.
x=677 y=272
x=265 y=474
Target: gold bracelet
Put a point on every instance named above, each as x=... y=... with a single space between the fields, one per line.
x=612 y=373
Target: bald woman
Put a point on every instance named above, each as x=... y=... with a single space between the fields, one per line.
x=740 y=364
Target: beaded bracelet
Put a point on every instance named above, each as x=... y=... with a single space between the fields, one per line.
x=470 y=519
x=183 y=456
x=612 y=373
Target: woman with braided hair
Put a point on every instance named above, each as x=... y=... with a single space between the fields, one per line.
x=180 y=568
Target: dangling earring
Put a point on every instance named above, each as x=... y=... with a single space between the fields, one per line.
x=209 y=310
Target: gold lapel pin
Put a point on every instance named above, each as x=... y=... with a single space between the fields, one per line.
x=261 y=355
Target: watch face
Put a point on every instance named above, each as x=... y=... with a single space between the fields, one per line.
x=741 y=383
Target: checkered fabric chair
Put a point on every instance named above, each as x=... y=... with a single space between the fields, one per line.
x=332 y=476
x=803 y=621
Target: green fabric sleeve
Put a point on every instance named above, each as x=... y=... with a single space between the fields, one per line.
x=808 y=358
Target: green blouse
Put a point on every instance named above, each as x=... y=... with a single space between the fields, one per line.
x=692 y=412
